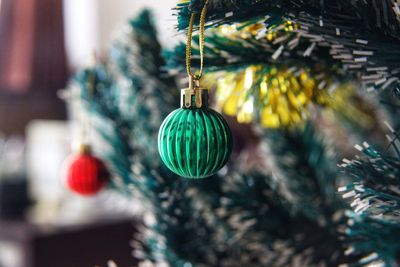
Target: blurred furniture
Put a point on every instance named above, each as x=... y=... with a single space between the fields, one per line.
x=14 y=189
x=32 y=62
x=16 y=110
x=87 y=245
x=32 y=45
x=14 y=197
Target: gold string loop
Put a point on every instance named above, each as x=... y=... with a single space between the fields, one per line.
x=194 y=78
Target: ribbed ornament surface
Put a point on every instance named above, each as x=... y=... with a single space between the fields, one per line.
x=86 y=174
x=195 y=142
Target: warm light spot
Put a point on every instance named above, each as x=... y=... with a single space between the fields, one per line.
x=248 y=78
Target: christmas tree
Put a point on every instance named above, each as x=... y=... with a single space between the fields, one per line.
x=300 y=82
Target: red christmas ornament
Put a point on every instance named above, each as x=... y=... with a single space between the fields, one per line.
x=86 y=174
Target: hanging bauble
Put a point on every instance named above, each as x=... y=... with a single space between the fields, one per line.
x=85 y=174
x=194 y=141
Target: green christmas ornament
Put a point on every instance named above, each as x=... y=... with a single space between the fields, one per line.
x=194 y=141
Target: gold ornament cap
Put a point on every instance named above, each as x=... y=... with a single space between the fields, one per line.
x=194 y=96
x=84 y=149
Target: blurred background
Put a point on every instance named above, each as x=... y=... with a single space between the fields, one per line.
x=41 y=44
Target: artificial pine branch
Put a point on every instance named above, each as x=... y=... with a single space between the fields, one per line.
x=374 y=222
x=360 y=35
x=381 y=17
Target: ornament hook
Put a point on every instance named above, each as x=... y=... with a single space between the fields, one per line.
x=201 y=42
x=194 y=96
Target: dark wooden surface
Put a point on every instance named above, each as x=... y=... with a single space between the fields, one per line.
x=85 y=245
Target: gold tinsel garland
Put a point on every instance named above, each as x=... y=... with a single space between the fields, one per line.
x=282 y=97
